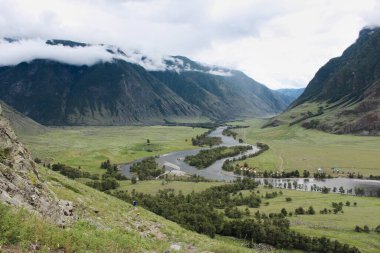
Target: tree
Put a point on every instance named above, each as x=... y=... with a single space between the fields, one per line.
x=284 y=212
x=366 y=229
x=306 y=173
x=133 y=180
x=311 y=210
x=148 y=141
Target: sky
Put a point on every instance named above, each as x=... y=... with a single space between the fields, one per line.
x=280 y=43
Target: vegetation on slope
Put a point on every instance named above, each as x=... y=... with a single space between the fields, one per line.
x=105 y=224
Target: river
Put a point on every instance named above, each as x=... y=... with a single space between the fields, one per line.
x=175 y=161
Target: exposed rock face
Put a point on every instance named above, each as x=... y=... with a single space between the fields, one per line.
x=20 y=183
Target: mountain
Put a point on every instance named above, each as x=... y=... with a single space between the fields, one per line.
x=292 y=94
x=221 y=93
x=122 y=87
x=344 y=95
x=20 y=123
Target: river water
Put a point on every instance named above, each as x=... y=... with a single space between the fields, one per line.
x=213 y=172
x=175 y=161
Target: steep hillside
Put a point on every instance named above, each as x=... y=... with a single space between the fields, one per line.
x=344 y=95
x=53 y=93
x=21 y=184
x=130 y=88
x=20 y=123
x=222 y=93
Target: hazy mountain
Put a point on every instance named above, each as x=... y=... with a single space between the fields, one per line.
x=292 y=94
x=129 y=87
x=344 y=95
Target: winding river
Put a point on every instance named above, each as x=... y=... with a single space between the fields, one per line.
x=175 y=161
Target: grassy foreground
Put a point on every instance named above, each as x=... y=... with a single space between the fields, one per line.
x=105 y=224
x=89 y=146
x=297 y=148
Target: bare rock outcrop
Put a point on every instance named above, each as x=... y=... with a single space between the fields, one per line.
x=21 y=184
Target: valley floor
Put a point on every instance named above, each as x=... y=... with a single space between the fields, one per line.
x=290 y=148
x=297 y=148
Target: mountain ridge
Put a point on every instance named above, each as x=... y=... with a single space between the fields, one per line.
x=131 y=89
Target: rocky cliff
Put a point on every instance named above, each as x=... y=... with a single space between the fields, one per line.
x=20 y=182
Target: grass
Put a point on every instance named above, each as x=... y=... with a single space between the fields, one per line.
x=89 y=146
x=339 y=226
x=297 y=148
x=105 y=224
x=153 y=186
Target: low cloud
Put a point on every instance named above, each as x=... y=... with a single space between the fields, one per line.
x=279 y=43
x=13 y=53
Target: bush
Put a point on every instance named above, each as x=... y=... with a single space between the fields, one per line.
x=105 y=184
x=299 y=210
x=311 y=210
x=288 y=199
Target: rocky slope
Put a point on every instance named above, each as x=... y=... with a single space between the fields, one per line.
x=129 y=88
x=20 y=182
x=344 y=95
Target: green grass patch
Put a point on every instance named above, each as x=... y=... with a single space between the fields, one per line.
x=334 y=226
x=89 y=146
x=298 y=148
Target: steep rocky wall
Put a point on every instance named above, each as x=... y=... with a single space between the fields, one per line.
x=20 y=182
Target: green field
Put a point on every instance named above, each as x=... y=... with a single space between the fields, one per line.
x=334 y=226
x=89 y=146
x=297 y=148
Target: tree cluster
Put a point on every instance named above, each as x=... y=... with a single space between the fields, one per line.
x=205 y=140
x=207 y=157
x=146 y=169
x=112 y=171
x=72 y=172
x=276 y=232
x=196 y=211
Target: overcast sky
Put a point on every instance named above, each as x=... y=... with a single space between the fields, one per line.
x=281 y=43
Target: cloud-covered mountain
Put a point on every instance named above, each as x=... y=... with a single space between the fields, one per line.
x=58 y=82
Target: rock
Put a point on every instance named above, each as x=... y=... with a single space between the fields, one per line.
x=175 y=247
x=20 y=182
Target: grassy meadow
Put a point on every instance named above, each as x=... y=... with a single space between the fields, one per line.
x=297 y=148
x=334 y=226
x=89 y=146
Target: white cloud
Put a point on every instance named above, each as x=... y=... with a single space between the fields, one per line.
x=281 y=43
x=28 y=50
